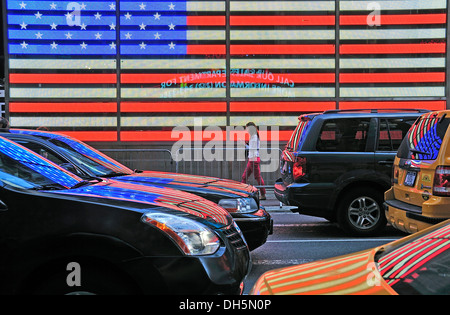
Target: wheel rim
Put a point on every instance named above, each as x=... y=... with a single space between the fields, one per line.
x=364 y=213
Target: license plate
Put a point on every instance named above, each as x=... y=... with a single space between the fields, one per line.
x=410 y=178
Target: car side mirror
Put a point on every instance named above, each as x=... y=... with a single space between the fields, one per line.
x=3 y=206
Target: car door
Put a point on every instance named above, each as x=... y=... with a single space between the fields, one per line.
x=391 y=132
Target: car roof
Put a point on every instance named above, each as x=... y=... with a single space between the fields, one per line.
x=366 y=113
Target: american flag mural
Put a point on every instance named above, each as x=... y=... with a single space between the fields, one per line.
x=133 y=70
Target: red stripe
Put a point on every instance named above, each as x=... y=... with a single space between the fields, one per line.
x=167 y=136
x=400 y=19
x=283 y=20
x=392 y=77
x=430 y=105
x=173 y=107
x=21 y=107
x=206 y=20
x=91 y=135
x=238 y=107
x=63 y=78
x=280 y=78
x=282 y=49
x=428 y=48
x=206 y=49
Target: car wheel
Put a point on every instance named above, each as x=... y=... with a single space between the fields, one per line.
x=360 y=212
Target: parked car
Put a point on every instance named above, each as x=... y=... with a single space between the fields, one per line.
x=125 y=238
x=240 y=200
x=338 y=164
x=420 y=195
x=415 y=265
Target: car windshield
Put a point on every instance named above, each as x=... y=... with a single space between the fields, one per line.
x=20 y=167
x=421 y=266
x=424 y=138
x=98 y=163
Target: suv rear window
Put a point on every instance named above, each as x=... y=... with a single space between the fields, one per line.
x=343 y=135
x=299 y=132
x=424 y=139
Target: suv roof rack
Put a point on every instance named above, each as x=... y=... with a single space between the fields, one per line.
x=335 y=111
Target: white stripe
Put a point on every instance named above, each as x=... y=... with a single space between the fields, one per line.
x=372 y=63
x=282 y=92
x=265 y=121
x=289 y=262
x=283 y=35
x=205 y=35
x=392 y=34
x=63 y=121
x=282 y=63
x=205 y=6
x=62 y=92
x=393 y=91
x=164 y=121
x=393 y=5
x=278 y=6
x=172 y=93
x=173 y=64
x=85 y=64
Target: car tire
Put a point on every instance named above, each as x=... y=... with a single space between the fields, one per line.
x=361 y=213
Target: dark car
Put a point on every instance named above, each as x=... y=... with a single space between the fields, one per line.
x=241 y=200
x=338 y=164
x=120 y=237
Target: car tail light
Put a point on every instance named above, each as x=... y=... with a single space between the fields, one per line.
x=441 y=186
x=299 y=168
x=395 y=173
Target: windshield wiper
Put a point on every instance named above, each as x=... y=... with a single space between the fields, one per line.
x=114 y=174
x=86 y=182
x=48 y=187
x=419 y=152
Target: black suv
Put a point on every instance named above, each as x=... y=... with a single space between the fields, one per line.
x=338 y=164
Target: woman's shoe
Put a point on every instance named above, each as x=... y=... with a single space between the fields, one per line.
x=263 y=197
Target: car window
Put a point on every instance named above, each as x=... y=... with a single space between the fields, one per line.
x=299 y=133
x=41 y=150
x=424 y=139
x=391 y=133
x=343 y=135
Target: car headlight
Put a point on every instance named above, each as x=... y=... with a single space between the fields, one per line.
x=192 y=237
x=239 y=205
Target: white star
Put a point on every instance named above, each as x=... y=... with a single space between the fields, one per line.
x=171 y=26
x=142 y=45
x=23 y=26
x=38 y=35
x=112 y=26
x=157 y=16
x=53 y=26
x=83 y=6
x=171 y=45
x=112 y=6
x=68 y=16
x=112 y=45
x=142 y=26
x=38 y=15
x=128 y=36
x=83 y=45
x=142 y=6
x=171 y=6
x=128 y=16
x=98 y=16
x=22 y=5
x=53 y=6
x=83 y=26
x=157 y=35
x=54 y=45
x=68 y=35
x=98 y=36
x=24 y=45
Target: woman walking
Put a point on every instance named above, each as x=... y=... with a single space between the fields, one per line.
x=253 y=164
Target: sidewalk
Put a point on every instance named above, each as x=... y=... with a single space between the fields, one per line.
x=272 y=203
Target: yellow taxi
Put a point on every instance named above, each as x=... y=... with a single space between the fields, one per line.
x=416 y=264
x=420 y=194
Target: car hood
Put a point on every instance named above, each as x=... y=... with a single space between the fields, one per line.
x=344 y=275
x=110 y=192
x=191 y=183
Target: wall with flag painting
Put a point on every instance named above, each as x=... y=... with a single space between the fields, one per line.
x=133 y=70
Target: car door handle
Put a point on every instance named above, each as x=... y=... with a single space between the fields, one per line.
x=3 y=207
x=385 y=162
